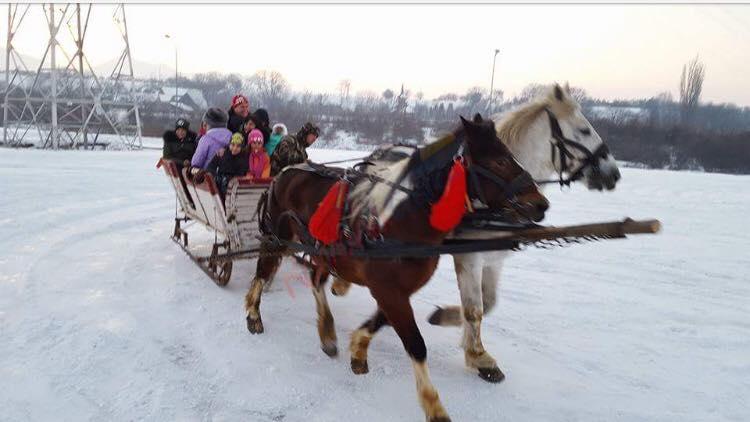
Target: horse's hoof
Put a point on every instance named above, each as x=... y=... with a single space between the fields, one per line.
x=255 y=326
x=440 y=419
x=360 y=367
x=493 y=375
x=330 y=349
x=436 y=316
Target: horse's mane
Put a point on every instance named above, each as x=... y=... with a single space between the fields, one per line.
x=392 y=163
x=512 y=127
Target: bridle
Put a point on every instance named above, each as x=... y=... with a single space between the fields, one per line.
x=560 y=146
x=510 y=189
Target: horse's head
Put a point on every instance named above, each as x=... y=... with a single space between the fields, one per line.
x=501 y=182
x=579 y=150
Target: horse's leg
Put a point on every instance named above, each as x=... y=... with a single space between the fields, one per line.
x=361 y=340
x=401 y=316
x=326 y=327
x=450 y=316
x=470 y=271
x=265 y=268
x=340 y=287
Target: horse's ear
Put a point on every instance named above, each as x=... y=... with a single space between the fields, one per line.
x=567 y=87
x=464 y=121
x=558 y=92
x=478 y=118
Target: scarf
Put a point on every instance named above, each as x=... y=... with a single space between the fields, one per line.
x=258 y=163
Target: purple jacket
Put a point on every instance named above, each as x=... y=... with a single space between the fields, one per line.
x=214 y=140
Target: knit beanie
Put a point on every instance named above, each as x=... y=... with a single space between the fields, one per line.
x=215 y=117
x=255 y=135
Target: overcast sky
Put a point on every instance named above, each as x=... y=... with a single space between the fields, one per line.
x=612 y=51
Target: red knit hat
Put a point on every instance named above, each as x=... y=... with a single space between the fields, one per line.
x=238 y=99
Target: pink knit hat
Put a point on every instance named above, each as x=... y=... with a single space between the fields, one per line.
x=255 y=135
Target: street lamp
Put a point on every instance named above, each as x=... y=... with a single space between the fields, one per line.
x=492 y=82
x=176 y=83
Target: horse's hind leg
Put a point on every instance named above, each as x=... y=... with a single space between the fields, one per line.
x=326 y=326
x=265 y=268
x=401 y=316
x=450 y=316
x=361 y=341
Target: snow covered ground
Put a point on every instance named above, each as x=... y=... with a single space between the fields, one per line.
x=102 y=317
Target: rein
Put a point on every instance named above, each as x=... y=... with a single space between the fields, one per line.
x=561 y=144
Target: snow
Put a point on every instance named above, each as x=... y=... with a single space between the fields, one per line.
x=102 y=317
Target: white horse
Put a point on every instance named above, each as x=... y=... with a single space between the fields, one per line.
x=549 y=136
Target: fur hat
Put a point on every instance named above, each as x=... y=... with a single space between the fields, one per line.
x=215 y=117
x=307 y=129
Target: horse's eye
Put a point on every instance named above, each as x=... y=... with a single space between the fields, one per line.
x=586 y=131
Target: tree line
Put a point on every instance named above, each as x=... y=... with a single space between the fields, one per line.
x=662 y=132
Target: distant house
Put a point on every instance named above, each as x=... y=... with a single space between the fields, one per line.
x=189 y=99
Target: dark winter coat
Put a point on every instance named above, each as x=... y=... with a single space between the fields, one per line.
x=228 y=165
x=263 y=123
x=236 y=123
x=291 y=150
x=177 y=150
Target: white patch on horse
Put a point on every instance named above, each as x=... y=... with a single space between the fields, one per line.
x=374 y=196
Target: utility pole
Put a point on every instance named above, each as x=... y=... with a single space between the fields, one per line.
x=176 y=84
x=53 y=74
x=492 y=83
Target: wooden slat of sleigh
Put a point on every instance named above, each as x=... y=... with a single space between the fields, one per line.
x=241 y=205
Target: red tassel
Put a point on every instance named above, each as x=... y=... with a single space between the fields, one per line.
x=324 y=223
x=448 y=211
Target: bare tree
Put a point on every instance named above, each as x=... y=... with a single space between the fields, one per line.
x=691 y=86
x=344 y=87
x=269 y=86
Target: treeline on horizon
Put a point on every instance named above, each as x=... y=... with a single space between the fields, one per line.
x=657 y=132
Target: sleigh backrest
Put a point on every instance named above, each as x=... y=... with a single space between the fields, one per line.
x=241 y=206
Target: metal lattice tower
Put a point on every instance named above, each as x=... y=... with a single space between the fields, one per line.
x=64 y=103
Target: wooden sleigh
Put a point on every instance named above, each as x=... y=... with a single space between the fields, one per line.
x=233 y=221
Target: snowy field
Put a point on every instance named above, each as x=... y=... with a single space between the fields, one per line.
x=103 y=318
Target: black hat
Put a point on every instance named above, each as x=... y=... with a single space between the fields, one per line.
x=181 y=124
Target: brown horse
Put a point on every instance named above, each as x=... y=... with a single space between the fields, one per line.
x=500 y=182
